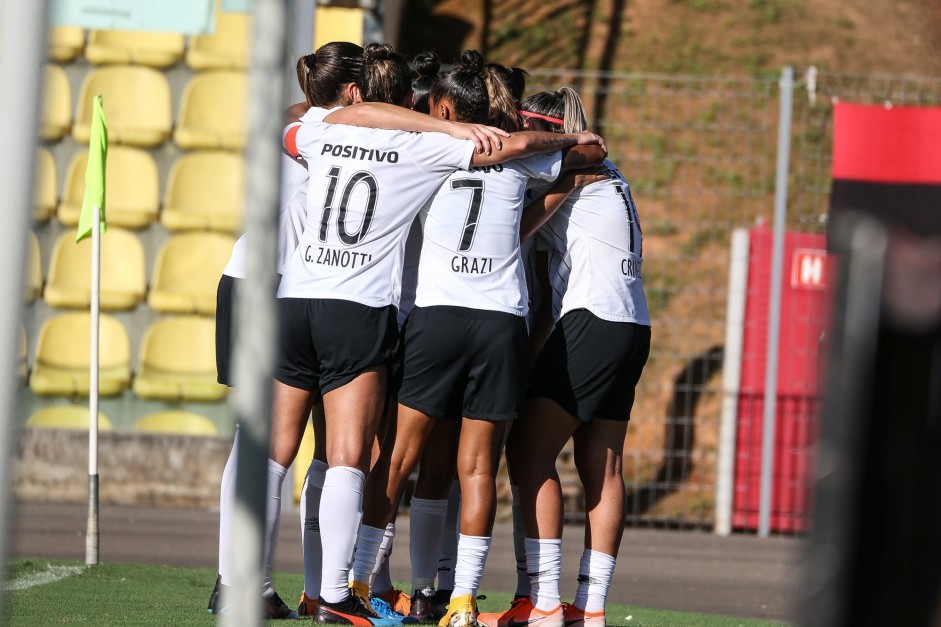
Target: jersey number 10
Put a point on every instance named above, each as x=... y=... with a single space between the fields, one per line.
x=372 y=193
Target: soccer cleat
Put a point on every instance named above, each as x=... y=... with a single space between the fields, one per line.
x=275 y=608
x=400 y=602
x=307 y=606
x=521 y=614
x=214 y=596
x=423 y=610
x=352 y=611
x=575 y=617
x=462 y=612
x=442 y=599
x=384 y=610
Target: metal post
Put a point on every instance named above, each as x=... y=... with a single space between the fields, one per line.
x=254 y=347
x=22 y=41
x=91 y=532
x=731 y=380
x=774 y=304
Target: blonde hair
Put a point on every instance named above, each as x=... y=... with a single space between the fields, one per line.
x=503 y=112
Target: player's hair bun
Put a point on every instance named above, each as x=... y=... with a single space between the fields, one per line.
x=427 y=64
x=310 y=60
x=377 y=52
x=472 y=62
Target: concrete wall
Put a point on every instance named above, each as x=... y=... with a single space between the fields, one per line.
x=141 y=469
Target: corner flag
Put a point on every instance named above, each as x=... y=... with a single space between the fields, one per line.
x=94 y=173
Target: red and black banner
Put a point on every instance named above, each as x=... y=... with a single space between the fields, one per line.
x=887 y=163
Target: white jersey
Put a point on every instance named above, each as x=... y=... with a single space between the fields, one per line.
x=292 y=214
x=471 y=237
x=366 y=187
x=595 y=253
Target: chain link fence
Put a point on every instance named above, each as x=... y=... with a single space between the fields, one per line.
x=700 y=153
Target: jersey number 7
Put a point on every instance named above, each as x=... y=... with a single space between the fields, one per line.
x=473 y=211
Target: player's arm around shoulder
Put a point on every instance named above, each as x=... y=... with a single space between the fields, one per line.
x=527 y=143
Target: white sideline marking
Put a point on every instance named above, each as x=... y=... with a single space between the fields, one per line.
x=51 y=574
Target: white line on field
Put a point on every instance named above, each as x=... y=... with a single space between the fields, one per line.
x=51 y=574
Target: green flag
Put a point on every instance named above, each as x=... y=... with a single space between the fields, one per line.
x=94 y=173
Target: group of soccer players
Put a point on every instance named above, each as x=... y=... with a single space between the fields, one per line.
x=461 y=270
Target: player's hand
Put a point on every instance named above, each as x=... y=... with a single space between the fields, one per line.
x=486 y=138
x=589 y=176
x=586 y=137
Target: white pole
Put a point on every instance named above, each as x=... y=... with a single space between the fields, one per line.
x=774 y=304
x=91 y=533
x=254 y=346
x=22 y=33
x=731 y=380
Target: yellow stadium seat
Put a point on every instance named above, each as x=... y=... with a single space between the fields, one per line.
x=33 y=269
x=226 y=49
x=133 y=196
x=66 y=417
x=134 y=47
x=56 y=104
x=65 y=43
x=178 y=361
x=123 y=277
x=205 y=191
x=176 y=422
x=63 y=356
x=136 y=102
x=186 y=273
x=212 y=112
x=45 y=196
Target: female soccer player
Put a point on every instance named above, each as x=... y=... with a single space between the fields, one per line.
x=582 y=384
x=328 y=79
x=465 y=338
x=340 y=290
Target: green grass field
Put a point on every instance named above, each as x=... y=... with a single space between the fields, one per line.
x=139 y=594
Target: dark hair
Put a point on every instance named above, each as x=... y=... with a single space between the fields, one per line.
x=515 y=79
x=504 y=112
x=386 y=76
x=323 y=73
x=564 y=105
x=464 y=86
x=426 y=66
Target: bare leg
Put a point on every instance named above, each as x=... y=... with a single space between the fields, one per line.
x=534 y=446
x=598 y=457
x=477 y=463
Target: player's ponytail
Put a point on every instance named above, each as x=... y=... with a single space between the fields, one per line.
x=503 y=112
x=323 y=74
x=386 y=76
x=464 y=86
x=574 y=111
x=427 y=66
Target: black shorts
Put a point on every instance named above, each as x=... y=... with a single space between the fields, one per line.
x=324 y=344
x=463 y=362
x=225 y=327
x=590 y=366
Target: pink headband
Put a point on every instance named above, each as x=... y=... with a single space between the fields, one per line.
x=539 y=116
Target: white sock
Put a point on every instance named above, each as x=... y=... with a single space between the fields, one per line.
x=276 y=474
x=594 y=578
x=544 y=563
x=519 y=545
x=341 y=512
x=448 y=555
x=227 y=512
x=310 y=527
x=368 y=542
x=471 y=557
x=382 y=578
x=426 y=528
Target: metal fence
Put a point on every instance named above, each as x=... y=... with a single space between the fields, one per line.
x=700 y=153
